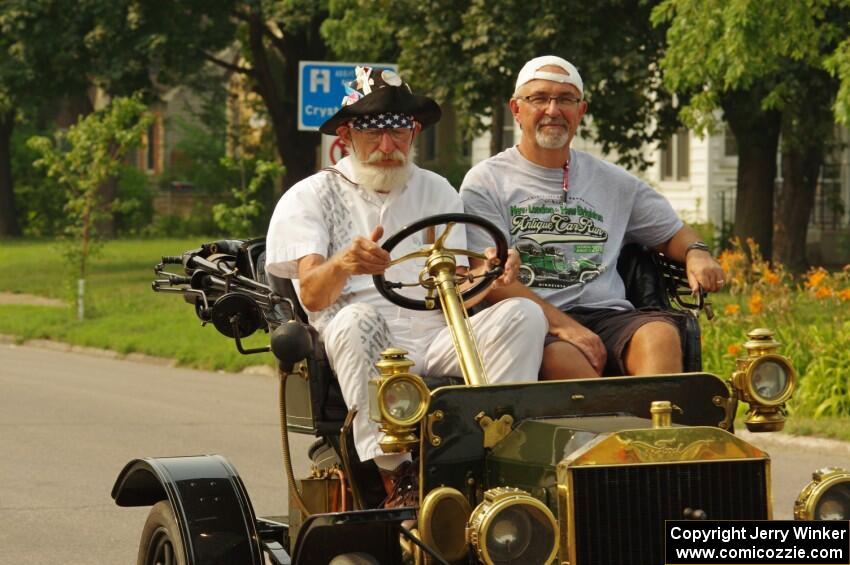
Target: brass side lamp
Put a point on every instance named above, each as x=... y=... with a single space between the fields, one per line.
x=764 y=379
x=398 y=400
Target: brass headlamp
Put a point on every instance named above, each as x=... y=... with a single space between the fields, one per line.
x=827 y=497
x=765 y=380
x=511 y=526
x=398 y=400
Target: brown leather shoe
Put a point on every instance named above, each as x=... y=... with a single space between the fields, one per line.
x=402 y=485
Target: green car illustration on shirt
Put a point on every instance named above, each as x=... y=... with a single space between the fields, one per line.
x=544 y=264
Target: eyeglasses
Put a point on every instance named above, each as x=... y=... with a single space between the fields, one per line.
x=541 y=101
x=396 y=134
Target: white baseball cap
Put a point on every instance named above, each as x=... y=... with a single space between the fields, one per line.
x=530 y=71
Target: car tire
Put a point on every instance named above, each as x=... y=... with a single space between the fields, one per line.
x=525 y=275
x=161 y=543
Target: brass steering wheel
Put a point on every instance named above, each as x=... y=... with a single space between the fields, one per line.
x=429 y=252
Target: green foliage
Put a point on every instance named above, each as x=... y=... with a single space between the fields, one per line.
x=86 y=156
x=40 y=201
x=240 y=218
x=200 y=152
x=54 y=51
x=133 y=210
x=720 y=46
x=198 y=223
x=838 y=64
x=825 y=391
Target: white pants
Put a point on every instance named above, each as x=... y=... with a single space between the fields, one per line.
x=509 y=336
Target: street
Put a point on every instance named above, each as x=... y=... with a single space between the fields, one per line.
x=69 y=422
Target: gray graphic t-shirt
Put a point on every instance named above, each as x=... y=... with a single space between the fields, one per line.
x=569 y=246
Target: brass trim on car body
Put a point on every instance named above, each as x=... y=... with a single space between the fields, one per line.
x=680 y=444
x=430 y=505
x=729 y=405
x=822 y=480
x=566 y=533
x=494 y=430
x=654 y=446
x=435 y=416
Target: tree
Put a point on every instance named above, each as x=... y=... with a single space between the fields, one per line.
x=765 y=65
x=271 y=38
x=266 y=39
x=468 y=53
x=59 y=49
x=84 y=157
x=39 y=48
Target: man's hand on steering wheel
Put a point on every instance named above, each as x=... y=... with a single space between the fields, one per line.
x=364 y=256
x=388 y=289
x=511 y=266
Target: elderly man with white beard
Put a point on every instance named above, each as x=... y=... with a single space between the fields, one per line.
x=570 y=214
x=326 y=232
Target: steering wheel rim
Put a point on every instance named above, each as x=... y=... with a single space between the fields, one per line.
x=501 y=244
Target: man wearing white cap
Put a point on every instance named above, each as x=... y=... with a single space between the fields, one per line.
x=569 y=214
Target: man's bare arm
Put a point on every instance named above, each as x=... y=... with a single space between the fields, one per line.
x=322 y=280
x=702 y=269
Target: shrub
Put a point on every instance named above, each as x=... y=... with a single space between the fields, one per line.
x=134 y=208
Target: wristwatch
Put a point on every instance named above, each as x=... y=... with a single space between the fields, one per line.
x=701 y=245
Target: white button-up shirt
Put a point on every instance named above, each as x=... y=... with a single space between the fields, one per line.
x=323 y=214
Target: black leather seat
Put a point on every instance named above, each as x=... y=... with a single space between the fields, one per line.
x=653 y=281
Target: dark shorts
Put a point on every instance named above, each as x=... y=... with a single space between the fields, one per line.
x=616 y=328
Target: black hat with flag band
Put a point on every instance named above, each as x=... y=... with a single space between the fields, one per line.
x=381 y=91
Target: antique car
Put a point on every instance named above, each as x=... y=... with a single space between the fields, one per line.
x=545 y=265
x=577 y=472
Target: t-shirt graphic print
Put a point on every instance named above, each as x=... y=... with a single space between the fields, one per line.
x=559 y=244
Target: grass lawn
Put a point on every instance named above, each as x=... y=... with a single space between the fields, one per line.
x=122 y=312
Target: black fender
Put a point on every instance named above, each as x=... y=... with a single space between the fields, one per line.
x=209 y=501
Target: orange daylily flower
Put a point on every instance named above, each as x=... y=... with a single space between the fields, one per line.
x=815 y=278
x=733 y=350
x=823 y=292
x=731 y=309
x=771 y=277
x=755 y=303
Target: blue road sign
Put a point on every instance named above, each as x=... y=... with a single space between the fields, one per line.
x=321 y=88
